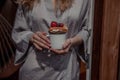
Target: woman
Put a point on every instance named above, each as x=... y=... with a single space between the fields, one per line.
x=33 y=46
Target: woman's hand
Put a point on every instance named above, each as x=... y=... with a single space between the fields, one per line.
x=68 y=43
x=40 y=40
x=65 y=49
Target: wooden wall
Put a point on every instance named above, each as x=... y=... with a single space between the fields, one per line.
x=97 y=28
x=110 y=40
x=106 y=40
x=119 y=62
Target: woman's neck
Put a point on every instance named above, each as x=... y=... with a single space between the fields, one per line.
x=54 y=4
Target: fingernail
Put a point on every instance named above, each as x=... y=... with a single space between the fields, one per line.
x=50 y=46
x=49 y=42
x=44 y=33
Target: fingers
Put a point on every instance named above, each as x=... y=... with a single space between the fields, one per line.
x=57 y=51
x=64 y=50
x=38 y=47
x=43 y=36
x=41 y=44
x=40 y=40
x=66 y=47
x=67 y=43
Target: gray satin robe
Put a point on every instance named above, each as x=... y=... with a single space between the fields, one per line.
x=37 y=64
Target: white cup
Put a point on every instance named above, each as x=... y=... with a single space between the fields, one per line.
x=57 y=40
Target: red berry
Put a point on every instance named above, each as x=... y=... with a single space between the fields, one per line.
x=54 y=24
x=61 y=25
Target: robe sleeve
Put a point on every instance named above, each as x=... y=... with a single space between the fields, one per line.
x=85 y=31
x=21 y=34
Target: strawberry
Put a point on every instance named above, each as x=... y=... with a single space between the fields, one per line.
x=60 y=24
x=54 y=24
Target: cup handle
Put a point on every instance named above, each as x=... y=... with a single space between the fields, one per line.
x=48 y=36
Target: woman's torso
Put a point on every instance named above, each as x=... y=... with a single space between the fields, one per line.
x=38 y=63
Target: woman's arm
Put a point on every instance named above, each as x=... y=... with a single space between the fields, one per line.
x=21 y=35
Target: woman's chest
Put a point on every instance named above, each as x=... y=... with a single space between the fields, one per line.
x=45 y=10
x=43 y=14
